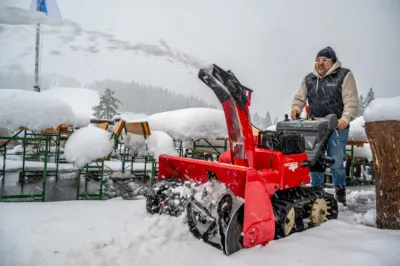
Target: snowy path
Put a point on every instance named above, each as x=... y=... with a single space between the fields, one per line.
x=118 y=232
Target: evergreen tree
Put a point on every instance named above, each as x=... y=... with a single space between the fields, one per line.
x=267 y=121
x=361 y=105
x=257 y=120
x=370 y=97
x=108 y=105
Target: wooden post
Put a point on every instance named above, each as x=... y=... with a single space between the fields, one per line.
x=384 y=139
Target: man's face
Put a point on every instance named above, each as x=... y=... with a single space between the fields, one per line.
x=323 y=64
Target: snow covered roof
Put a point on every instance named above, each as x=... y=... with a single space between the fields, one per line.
x=33 y=110
x=81 y=101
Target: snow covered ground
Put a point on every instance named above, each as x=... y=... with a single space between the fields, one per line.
x=120 y=232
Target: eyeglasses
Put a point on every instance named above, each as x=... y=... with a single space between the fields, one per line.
x=322 y=59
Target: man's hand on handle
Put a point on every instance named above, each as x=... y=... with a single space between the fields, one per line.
x=293 y=113
x=342 y=124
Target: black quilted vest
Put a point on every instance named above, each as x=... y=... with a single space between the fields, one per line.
x=325 y=95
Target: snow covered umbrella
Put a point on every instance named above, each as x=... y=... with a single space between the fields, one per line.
x=382 y=117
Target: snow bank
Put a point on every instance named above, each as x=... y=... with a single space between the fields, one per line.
x=156 y=144
x=88 y=144
x=81 y=101
x=36 y=111
x=383 y=109
x=105 y=233
x=357 y=130
x=190 y=123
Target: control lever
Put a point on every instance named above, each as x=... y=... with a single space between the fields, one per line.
x=327 y=160
x=286 y=117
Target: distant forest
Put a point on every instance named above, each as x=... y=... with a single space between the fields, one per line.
x=135 y=97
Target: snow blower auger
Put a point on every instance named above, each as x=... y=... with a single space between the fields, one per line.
x=257 y=191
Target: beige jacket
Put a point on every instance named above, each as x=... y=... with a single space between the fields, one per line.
x=349 y=94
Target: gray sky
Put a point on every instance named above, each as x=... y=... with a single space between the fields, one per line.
x=269 y=45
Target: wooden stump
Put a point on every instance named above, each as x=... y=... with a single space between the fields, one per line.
x=384 y=139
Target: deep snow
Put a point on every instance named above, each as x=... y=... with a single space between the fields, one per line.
x=118 y=232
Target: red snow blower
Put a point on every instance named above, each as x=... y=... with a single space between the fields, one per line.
x=257 y=191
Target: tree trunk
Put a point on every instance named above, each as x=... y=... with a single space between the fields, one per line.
x=384 y=139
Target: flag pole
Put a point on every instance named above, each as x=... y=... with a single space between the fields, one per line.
x=36 y=86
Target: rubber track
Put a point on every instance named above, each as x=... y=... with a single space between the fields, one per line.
x=301 y=198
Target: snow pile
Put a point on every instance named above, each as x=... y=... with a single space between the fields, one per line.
x=88 y=144
x=160 y=143
x=368 y=218
x=383 y=109
x=156 y=144
x=357 y=130
x=33 y=110
x=81 y=101
x=190 y=123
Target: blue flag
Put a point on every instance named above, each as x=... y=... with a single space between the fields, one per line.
x=49 y=7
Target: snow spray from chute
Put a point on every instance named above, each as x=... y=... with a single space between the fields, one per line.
x=68 y=31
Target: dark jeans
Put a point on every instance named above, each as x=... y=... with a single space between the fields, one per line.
x=336 y=149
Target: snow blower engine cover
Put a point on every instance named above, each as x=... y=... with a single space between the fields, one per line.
x=313 y=140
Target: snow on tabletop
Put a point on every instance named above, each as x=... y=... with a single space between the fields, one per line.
x=120 y=232
x=156 y=144
x=160 y=143
x=357 y=130
x=33 y=110
x=186 y=124
x=81 y=101
x=88 y=144
x=383 y=109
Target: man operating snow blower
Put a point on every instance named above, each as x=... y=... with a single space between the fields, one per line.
x=330 y=89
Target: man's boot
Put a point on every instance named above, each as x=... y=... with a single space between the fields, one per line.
x=341 y=195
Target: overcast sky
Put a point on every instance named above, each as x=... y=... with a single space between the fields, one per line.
x=269 y=45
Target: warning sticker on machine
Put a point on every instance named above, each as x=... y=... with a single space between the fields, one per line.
x=292 y=166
